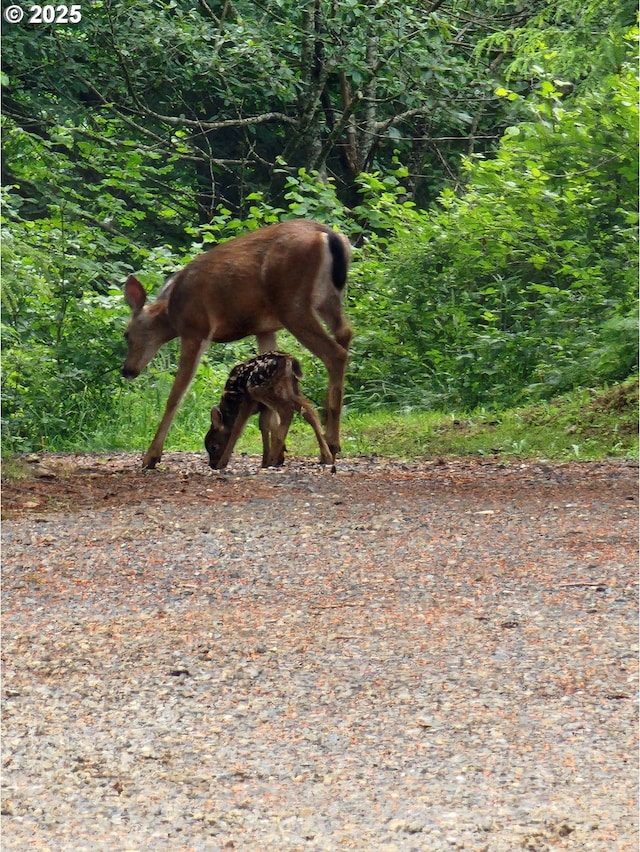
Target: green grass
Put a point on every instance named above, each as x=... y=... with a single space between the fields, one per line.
x=586 y=424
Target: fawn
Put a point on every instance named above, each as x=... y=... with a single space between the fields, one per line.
x=267 y=384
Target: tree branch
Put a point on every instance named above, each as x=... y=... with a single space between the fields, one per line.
x=173 y=121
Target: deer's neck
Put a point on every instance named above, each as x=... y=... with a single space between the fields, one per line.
x=230 y=407
x=159 y=315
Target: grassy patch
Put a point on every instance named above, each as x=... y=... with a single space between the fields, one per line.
x=586 y=424
x=15 y=467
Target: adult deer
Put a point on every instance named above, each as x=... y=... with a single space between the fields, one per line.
x=291 y=275
x=268 y=384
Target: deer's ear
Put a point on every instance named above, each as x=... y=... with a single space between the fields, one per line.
x=134 y=293
x=216 y=418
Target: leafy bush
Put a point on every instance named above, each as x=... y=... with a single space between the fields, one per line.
x=526 y=284
x=522 y=286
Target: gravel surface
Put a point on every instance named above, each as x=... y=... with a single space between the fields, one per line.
x=428 y=656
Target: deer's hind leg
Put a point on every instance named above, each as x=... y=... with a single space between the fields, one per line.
x=269 y=423
x=279 y=436
x=275 y=419
x=334 y=356
x=310 y=415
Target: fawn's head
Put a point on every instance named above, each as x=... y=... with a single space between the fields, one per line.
x=215 y=441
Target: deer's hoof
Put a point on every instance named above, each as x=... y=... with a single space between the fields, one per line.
x=149 y=462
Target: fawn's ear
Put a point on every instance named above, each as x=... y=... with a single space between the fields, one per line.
x=216 y=418
x=134 y=294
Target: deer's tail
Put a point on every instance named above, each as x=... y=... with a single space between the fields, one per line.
x=341 y=254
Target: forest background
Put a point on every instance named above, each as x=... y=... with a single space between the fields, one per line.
x=482 y=158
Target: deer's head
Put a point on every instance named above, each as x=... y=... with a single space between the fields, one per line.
x=217 y=437
x=147 y=330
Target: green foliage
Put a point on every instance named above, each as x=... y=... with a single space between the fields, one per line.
x=217 y=93
x=526 y=284
x=483 y=273
x=573 y=41
x=582 y=425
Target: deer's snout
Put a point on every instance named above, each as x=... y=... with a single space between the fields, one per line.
x=129 y=372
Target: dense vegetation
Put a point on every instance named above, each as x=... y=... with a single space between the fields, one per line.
x=482 y=157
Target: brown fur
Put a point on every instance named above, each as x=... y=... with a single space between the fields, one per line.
x=267 y=384
x=290 y=275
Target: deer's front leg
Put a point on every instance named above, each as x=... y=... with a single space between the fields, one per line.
x=191 y=351
x=247 y=408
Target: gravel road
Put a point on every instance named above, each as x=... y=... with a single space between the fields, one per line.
x=436 y=655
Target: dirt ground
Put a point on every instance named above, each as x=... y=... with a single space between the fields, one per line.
x=432 y=655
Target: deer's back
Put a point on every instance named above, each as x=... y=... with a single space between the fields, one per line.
x=244 y=286
x=264 y=372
